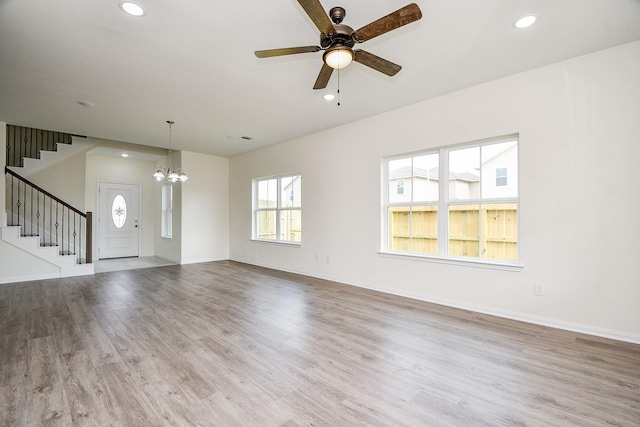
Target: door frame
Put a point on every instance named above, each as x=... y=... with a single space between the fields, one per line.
x=99 y=213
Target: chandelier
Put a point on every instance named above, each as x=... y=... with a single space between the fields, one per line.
x=170 y=173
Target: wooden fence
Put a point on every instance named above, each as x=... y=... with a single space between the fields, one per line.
x=481 y=231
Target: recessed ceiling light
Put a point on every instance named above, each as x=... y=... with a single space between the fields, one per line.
x=525 y=21
x=132 y=8
x=329 y=96
x=124 y=155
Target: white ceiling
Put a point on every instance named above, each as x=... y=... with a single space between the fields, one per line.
x=193 y=62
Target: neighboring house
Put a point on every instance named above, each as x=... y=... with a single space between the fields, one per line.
x=499 y=179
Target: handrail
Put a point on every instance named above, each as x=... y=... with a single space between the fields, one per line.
x=45 y=192
x=73 y=240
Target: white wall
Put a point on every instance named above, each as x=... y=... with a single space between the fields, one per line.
x=205 y=208
x=579 y=129
x=65 y=179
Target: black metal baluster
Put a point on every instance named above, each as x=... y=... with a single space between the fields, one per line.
x=12 y=186
x=57 y=223
x=31 y=214
x=50 y=221
x=44 y=219
x=41 y=141
x=80 y=241
x=68 y=228
x=75 y=234
x=38 y=217
x=19 y=204
x=18 y=149
x=9 y=149
x=24 y=210
x=16 y=146
x=24 y=147
x=62 y=231
x=30 y=143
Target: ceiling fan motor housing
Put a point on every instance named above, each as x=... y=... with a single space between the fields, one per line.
x=343 y=34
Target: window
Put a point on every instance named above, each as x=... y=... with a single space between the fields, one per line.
x=457 y=202
x=119 y=211
x=167 y=215
x=278 y=209
x=501 y=177
x=400 y=187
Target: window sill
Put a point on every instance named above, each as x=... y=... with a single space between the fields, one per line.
x=467 y=262
x=278 y=242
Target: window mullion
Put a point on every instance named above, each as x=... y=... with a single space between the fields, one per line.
x=278 y=208
x=443 y=207
x=411 y=198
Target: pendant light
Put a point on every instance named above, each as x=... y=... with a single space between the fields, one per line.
x=170 y=173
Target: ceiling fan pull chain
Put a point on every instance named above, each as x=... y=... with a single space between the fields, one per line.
x=338 y=87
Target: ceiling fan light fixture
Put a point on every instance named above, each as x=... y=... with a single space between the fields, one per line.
x=338 y=56
x=329 y=97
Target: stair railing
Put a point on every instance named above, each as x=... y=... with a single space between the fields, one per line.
x=29 y=142
x=40 y=213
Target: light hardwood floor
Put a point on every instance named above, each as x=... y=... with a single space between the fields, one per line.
x=227 y=344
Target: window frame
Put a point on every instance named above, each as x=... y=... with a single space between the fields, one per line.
x=279 y=209
x=443 y=205
x=166 y=221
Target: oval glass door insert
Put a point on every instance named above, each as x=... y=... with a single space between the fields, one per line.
x=119 y=211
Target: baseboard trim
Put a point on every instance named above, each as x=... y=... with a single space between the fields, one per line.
x=199 y=261
x=18 y=279
x=521 y=317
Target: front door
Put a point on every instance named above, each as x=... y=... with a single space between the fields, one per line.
x=118 y=221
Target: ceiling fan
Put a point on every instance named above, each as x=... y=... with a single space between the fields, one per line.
x=337 y=40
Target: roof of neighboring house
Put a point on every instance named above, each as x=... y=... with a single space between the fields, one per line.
x=431 y=174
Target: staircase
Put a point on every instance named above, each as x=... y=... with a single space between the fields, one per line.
x=67 y=263
x=39 y=222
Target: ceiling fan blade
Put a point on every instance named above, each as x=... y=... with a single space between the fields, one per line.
x=397 y=19
x=377 y=63
x=318 y=15
x=323 y=77
x=285 y=51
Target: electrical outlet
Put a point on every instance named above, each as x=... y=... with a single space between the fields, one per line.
x=538 y=289
x=317 y=258
x=328 y=259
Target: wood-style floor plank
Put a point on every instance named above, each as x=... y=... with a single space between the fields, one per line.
x=228 y=344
